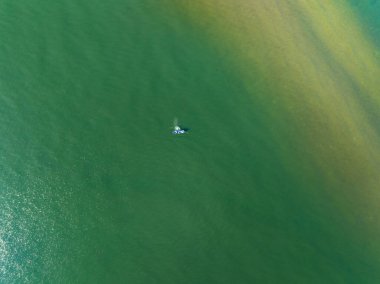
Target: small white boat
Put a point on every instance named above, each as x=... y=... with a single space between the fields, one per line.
x=177 y=129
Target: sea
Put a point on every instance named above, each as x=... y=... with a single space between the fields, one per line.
x=274 y=181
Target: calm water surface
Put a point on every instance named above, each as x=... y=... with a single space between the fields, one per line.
x=94 y=189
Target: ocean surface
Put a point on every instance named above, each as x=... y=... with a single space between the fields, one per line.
x=277 y=180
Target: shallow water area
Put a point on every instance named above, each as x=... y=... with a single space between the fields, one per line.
x=94 y=188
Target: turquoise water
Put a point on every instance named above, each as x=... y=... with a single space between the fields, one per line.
x=95 y=189
x=369 y=10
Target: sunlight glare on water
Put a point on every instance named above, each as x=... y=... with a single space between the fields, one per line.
x=276 y=181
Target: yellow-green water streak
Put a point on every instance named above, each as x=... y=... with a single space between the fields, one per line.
x=318 y=66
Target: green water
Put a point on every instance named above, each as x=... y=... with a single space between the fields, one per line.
x=369 y=12
x=95 y=189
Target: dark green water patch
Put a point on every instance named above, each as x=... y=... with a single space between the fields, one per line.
x=94 y=188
